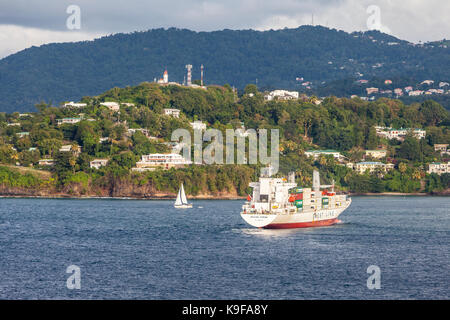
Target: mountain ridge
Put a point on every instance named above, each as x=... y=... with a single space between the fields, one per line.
x=60 y=72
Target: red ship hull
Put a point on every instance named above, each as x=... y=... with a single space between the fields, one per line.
x=320 y=223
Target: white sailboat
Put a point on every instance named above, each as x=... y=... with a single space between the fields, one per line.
x=181 y=202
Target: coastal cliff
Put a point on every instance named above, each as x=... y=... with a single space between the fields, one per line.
x=223 y=183
x=122 y=191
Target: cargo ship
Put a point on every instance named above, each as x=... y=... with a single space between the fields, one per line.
x=278 y=203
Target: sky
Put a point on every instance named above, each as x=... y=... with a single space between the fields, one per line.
x=24 y=23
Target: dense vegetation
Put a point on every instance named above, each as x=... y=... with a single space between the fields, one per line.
x=342 y=124
x=67 y=71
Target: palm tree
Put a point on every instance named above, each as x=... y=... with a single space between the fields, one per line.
x=402 y=167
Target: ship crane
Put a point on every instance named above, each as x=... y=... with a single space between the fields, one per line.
x=316 y=183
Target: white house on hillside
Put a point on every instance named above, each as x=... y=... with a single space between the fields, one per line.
x=160 y=160
x=281 y=95
x=113 y=106
x=75 y=105
x=439 y=168
x=98 y=163
x=399 y=134
x=67 y=120
x=377 y=154
x=145 y=132
x=76 y=150
x=46 y=162
x=316 y=153
x=198 y=125
x=362 y=167
x=427 y=82
x=172 y=112
x=440 y=147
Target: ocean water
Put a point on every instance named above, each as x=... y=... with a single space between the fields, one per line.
x=139 y=249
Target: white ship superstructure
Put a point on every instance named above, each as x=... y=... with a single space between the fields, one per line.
x=278 y=203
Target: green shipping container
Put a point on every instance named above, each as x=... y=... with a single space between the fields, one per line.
x=296 y=190
x=325 y=201
x=299 y=203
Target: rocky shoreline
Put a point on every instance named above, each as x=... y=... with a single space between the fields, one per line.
x=170 y=196
x=114 y=193
x=126 y=190
x=59 y=196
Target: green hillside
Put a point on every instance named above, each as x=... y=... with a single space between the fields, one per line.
x=67 y=71
x=345 y=125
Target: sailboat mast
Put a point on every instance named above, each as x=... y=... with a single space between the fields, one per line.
x=178 y=201
x=183 y=195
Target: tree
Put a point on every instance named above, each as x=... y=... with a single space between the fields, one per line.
x=372 y=139
x=29 y=157
x=360 y=183
x=305 y=121
x=126 y=160
x=118 y=132
x=7 y=154
x=410 y=149
x=87 y=137
x=83 y=161
x=322 y=160
x=433 y=112
x=23 y=144
x=416 y=175
x=64 y=161
x=41 y=106
x=402 y=167
x=49 y=146
x=251 y=88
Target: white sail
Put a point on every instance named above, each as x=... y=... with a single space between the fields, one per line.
x=181 y=201
x=183 y=195
x=178 y=202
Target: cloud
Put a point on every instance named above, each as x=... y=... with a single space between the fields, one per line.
x=16 y=38
x=41 y=21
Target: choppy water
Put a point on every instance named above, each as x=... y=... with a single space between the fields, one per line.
x=136 y=249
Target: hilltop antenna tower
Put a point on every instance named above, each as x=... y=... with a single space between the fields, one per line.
x=201 y=78
x=189 y=74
